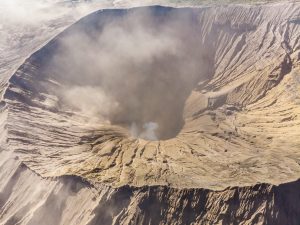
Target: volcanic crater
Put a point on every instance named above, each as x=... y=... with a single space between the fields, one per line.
x=158 y=102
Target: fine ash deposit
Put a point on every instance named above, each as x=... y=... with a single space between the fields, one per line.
x=154 y=115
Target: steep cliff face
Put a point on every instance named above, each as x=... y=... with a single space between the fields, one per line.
x=26 y=198
x=259 y=204
x=157 y=115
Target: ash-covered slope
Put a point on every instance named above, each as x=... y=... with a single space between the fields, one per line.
x=219 y=89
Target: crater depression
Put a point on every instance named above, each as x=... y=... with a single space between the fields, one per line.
x=187 y=97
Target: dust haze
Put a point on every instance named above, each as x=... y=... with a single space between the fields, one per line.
x=133 y=69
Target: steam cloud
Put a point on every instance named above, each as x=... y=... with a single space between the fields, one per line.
x=148 y=131
x=134 y=68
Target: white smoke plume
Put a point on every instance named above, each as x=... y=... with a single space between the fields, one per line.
x=147 y=132
x=134 y=66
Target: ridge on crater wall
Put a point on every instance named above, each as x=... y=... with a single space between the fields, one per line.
x=191 y=113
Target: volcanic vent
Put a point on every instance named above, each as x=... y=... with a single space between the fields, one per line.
x=132 y=68
x=177 y=97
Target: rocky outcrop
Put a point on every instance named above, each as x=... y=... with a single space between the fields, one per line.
x=70 y=200
x=233 y=158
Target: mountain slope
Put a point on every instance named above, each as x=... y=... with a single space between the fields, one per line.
x=229 y=90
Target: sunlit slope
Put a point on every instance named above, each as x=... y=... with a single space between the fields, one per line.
x=221 y=84
x=240 y=122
